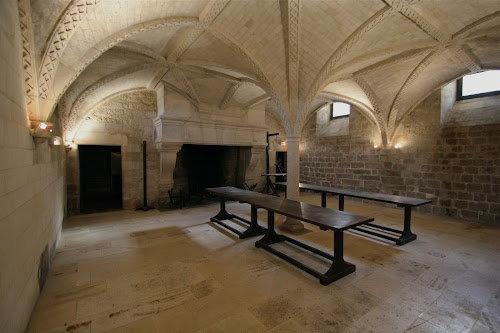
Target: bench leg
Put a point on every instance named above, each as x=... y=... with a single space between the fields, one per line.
x=340 y=267
x=271 y=236
x=407 y=235
x=323 y=199
x=254 y=229
x=323 y=204
x=223 y=214
x=341 y=202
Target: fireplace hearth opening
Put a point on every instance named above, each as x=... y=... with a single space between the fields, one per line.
x=202 y=166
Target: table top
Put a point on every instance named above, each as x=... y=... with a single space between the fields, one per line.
x=274 y=174
x=322 y=216
x=388 y=198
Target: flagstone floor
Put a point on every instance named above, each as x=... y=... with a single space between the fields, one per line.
x=175 y=271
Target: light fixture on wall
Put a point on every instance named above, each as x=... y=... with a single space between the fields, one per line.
x=398 y=145
x=376 y=146
x=41 y=129
x=283 y=143
x=55 y=141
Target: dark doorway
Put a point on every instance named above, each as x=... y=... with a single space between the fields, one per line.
x=280 y=167
x=100 y=178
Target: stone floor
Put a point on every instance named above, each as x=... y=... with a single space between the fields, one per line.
x=177 y=272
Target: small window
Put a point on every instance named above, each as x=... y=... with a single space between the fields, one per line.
x=339 y=110
x=479 y=85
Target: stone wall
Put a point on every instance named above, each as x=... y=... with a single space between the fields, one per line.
x=32 y=195
x=125 y=121
x=458 y=168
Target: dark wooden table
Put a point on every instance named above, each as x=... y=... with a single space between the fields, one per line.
x=326 y=218
x=406 y=202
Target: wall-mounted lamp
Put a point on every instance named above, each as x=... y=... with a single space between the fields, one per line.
x=375 y=146
x=55 y=141
x=283 y=143
x=41 y=129
x=398 y=145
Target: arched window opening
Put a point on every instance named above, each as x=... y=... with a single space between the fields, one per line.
x=339 y=110
x=481 y=84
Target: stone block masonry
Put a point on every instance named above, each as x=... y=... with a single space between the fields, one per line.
x=32 y=195
x=458 y=168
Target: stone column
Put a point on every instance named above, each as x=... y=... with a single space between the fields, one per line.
x=292 y=179
x=168 y=158
x=256 y=167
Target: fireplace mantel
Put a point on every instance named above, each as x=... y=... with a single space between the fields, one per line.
x=175 y=131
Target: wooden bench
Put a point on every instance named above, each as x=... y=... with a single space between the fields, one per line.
x=406 y=202
x=321 y=216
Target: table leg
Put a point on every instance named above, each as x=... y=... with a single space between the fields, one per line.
x=340 y=267
x=271 y=236
x=223 y=214
x=323 y=204
x=341 y=202
x=323 y=199
x=254 y=229
x=407 y=235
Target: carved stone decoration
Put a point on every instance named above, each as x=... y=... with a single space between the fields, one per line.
x=74 y=14
x=412 y=15
x=29 y=73
x=229 y=95
x=374 y=100
x=212 y=10
x=188 y=39
x=466 y=31
x=467 y=57
x=327 y=69
x=293 y=54
x=71 y=119
x=189 y=131
x=187 y=85
x=257 y=69
x=402 y=94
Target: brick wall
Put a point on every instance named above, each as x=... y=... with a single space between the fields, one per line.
x=457 y=168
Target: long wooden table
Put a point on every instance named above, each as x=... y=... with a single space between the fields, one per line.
x=406 y=202
x=327 y=218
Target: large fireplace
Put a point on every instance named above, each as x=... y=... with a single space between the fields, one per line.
x=202 y=146
x=202 y=166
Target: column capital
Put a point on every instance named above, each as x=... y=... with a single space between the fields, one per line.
x=293 y=138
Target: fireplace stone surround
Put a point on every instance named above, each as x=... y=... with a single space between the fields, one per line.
x=180 y=122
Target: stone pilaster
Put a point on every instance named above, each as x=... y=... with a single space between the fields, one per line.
x=256 y=167
x=168 y=158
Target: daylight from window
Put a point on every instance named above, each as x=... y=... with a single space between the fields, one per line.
x=341 y=109
x=480 y=83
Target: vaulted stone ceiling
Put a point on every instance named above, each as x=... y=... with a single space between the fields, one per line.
x=382 y=56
